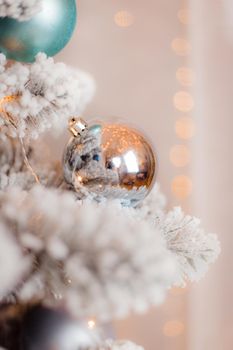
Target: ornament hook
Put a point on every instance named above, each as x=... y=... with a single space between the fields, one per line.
x=78 y=126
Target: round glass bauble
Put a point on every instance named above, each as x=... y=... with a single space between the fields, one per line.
x=48 y=31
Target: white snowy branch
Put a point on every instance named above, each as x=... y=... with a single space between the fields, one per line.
x=20 y=9
x=193 y=249
x=13 y=265
x=99 y=258
x=45 y=95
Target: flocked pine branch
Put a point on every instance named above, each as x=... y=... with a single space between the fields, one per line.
x=10 y=256
x=102 y=259
x=193 y=249
x=19 y=9
x=40 y=96
x=98 y=258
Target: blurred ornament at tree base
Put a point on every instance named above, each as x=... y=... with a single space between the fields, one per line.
x=30 y=327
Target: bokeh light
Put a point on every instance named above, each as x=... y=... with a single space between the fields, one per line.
x=180 y=155
x=183 y=101
x=91 y=324
x=182 y=47
x=181 y=186
x=173 y=328
x=185 y=128
x=5 y=100
x=184 y=16
x=185 y=76
x=124 y=19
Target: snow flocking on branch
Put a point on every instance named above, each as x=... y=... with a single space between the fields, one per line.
x=40 y=96
x=104 y=266
x=100 y=258
x=193 y=249
x=10 y=256
x=20 y=9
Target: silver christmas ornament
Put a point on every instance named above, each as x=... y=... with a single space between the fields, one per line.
x=109 y=160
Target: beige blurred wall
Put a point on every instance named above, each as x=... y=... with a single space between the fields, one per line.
x=211 y=32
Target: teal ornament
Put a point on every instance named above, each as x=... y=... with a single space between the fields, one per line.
x=48 y=31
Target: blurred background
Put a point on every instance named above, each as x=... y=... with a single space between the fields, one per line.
x=167 y=67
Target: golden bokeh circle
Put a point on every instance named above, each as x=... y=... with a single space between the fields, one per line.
x=180 y=155
x=181 y=186
x=124 y=19
x=181 y=46
x=185 y=128
x=184 y=16
x=185 y=76
x=183 y=101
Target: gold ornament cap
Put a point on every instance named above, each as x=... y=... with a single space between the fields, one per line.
x=78 y=126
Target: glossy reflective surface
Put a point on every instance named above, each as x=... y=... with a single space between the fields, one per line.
x=113 y=161
x=48 y=31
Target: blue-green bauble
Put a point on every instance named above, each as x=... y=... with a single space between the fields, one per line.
x=48 y=31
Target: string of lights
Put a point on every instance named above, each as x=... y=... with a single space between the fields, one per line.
x=183 y=101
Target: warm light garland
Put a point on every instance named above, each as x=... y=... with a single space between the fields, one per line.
x=91 y=324
x=10 y=119
x=180 y=154
x=183 y=102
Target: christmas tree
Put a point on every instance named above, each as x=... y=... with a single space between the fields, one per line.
x=86 y=240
